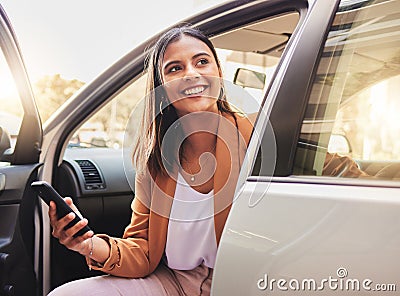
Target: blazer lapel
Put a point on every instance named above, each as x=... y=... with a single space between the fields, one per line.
x=162 y=197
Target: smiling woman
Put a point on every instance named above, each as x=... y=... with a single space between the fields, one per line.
x=192 y=79
x=188 y=155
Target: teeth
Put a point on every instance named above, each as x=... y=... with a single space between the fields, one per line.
x=194 y=90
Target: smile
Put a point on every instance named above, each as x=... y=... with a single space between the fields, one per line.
x=194 y=91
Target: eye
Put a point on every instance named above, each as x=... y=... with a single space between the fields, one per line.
x=174 y=69
x=203 y=61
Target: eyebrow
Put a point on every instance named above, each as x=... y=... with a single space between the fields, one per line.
x=193 y=57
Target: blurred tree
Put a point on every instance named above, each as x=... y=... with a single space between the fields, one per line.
x=52 y=91
x=108 y=124
x=115 y=114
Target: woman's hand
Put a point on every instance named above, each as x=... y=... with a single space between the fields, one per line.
x=80 y=244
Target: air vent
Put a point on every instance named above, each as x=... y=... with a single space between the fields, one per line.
x=91 y=175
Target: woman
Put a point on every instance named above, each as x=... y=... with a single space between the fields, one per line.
x=188 y=158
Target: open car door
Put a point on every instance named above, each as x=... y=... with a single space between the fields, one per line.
x=20 y=142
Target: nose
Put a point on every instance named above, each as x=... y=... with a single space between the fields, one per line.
x=191 y=73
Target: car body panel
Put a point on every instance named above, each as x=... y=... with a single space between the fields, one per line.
x=296 y=227
x=308 y=231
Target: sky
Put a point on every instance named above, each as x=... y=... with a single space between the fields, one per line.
x=80 y=38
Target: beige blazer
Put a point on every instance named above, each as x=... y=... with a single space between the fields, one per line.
x=140 y=250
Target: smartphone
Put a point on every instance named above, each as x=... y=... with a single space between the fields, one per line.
x=48 y=193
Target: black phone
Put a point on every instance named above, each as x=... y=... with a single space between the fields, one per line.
x=48 y=193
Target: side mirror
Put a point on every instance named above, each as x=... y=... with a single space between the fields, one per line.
x=249 y=78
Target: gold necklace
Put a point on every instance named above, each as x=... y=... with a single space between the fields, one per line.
x=192 y=176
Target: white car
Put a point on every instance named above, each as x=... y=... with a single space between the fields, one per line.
x=318 y=199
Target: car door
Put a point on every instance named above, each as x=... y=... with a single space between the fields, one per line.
x=307 y=217
x=20 y=142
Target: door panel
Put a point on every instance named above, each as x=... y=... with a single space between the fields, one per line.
x=17 y=204
x=308 y=230
x=8 y=219
x=305 y=231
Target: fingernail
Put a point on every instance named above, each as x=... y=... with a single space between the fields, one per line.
x=71 y=215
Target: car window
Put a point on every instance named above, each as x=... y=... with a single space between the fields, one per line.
x=351 y=126
x=255 y=49
x=107 y=127
x=52 y=91
x=11 y=112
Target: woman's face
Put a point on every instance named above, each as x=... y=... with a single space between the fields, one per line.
x=191 y=76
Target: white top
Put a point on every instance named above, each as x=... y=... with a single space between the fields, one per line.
x=191 y=235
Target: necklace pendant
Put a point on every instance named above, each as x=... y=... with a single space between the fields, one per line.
x=192 y=178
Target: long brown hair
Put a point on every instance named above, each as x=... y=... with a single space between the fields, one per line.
x=147 y=152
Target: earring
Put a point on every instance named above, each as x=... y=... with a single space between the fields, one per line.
x=222 y=93
x=161 y=107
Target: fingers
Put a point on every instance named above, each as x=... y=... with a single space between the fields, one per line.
x=61 y=228
x=59 y=224
x=65 y=232
x=52 y=212
x=76 y=227
x=53 y=208
x=70 y=202
x=67 y=236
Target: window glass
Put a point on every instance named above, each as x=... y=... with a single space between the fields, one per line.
x=11 y=112
x=106 y=128
x=351 y=125
x=53 y=91
x=249 y=57
x=233 y=61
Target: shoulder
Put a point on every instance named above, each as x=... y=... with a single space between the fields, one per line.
x=143 y=189
x=245 y=126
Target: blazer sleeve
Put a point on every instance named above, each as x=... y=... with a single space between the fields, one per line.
x=129 y=254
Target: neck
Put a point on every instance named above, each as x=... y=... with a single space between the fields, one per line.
x=200 y=133
x=198 y=143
